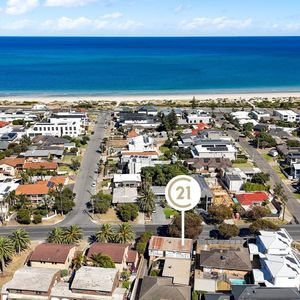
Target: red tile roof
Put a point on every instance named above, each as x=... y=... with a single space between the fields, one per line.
x=3 y=124
x=46 y=165
x=12 y=161
x=58 y=179
x=115 y=251
x=252 y=198
x=132 y=255
x=132 y=134
x=39 y=188
x=52 y=253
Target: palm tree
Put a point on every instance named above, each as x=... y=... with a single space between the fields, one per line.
x=79 y=261
x=10 y=198
x=56 y=236
x=72 y=234
x=24 y=177
x=20 y=239
x=147 y=201
x=6 y=251
x=278 y=190
x=106 y=234
x=125 y=234
x=102 y=260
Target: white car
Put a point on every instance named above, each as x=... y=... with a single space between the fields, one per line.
x=94 y=184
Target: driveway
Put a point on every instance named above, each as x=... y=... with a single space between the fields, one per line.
x=159 y=217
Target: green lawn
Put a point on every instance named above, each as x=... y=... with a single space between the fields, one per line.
x=168 y=211
x=267 y=157
x=247 y=164
x=278 y=171
x=297 y=195
x=164 y=149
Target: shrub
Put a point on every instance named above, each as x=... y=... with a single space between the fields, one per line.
x=252 y=187
x=155 y=272
x=23 y=216
x=141 y=247
x=126 y=284
x=262 y=224
x=219 y=213
x=128 y=212
x=64 y=273
x=257 y=212
x=37 y=219
x=227 y=230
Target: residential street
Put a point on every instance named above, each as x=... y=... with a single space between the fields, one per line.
x=293 y=204
x=83 y=185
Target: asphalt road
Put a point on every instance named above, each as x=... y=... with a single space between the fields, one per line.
x=293 y=204
x=86 y=176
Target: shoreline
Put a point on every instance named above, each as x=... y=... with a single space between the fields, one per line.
x=42 y=98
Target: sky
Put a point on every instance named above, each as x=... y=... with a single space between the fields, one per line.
x=149 y=17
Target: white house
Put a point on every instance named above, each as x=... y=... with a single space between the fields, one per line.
x=127 y=180
x=259 y=114
x=280 y=267
x=198 y=116
x=19 y=115
x=141 y=143
x=287 y=115
x=207 y=148
x=234 y=182
x=135 y=163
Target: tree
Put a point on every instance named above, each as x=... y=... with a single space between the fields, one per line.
x=20 y=239
x=79 y=261
x=262 y=224
x=257 y=212
x=248 y=127
x=284 y=199
x=219 y=213
x=142 y=243
x=102 y=260
x=280 y=195
x=125 y=234
x=193 y=225
x=128 y=212
x=228 y=230
x=37 y=219
x=106 y=234
x=261 y=178
x=6 y=251
x=147 y=201
x=56 y=236
x=264 y=140
x=72 y=234
x=75 y=164
x=194 y=103
x=101 y=202
x=24 y=216
x=63 y=199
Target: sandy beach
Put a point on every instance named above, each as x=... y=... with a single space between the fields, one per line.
x=151 y=97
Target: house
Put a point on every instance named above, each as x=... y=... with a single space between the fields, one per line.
x=135 y=163
x=295 y=171
x=287 y=115
x=4 y=145
x=234 y=182
x=47 y=255
x=50 y=141
x=256 y=292
x=10 y=166
x=207 y=148
x=248 y=200
x=208 y=166
x=124 y=195
x=149 y=110
x=159 y=192
x=131 y=134
x=177 y=269
x=141 y=143
x=245 y=173
x=126 y=155
x=61 y=124
x=127 y=180
x=44 y=153
x=163 y=288
x=123 y=257
x=137 y=120
x=160 y=246
x=40 y=165
x=31 y=283
x=220 y=263
x=38 y=192
x=198 y=116
x=259 y=115
x=18 y=115
x=279 y=264
x=90 y=283
x=206 y=193
x=8 y=137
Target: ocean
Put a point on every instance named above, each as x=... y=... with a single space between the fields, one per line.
x=88 y=65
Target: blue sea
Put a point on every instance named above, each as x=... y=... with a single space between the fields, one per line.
x=73 y=65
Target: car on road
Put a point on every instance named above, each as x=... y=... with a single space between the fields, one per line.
x=94 y=184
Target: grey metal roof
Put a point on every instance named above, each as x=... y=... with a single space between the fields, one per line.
x=158 y=190
x=234 y=177
x=95 y=279
x=205 y=190
x=40 y=153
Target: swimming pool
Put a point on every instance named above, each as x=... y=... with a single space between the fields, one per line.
x=236 y=281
